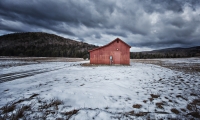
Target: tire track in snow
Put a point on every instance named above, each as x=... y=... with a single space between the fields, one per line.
x=17 y=75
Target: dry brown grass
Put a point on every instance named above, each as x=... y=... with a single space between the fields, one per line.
x=8 y=108
x=151 y=99
x=71 y=113
x=182 y=109
x=19 y=112
x=145 y=101
x=174 y=110
x=52 y=103
x=183 y=67
x=96 y=65
x=88 y=64
x=154 y=96
x=147 y=61
x=189 y=107
x=44 y=59
x=138 y=106
x=131 y=112
x=159 y=105
x=141 y=114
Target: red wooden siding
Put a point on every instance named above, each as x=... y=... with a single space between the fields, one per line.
x=118 y=49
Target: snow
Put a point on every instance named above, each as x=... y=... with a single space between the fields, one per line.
x=101 y=92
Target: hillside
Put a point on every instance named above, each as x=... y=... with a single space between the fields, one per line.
x=41 y=44
x=168 y=53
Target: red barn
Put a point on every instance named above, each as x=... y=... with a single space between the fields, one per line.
x=116 y=52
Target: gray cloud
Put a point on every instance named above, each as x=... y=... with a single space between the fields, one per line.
x=151 y=24
x=117 y=33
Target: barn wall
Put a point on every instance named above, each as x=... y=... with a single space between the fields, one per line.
x=102 y=55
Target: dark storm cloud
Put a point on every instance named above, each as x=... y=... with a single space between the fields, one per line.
x=165 y=5
x=117 y=33
x=150 y=23
x=98 y=36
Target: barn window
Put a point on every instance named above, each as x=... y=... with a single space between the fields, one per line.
x=117 y=41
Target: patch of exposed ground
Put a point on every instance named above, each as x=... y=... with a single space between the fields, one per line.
x=96 y=65
x=6 y=62
x=43 y=59
x=186 y=67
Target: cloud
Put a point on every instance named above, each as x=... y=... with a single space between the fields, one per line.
x=149 y=24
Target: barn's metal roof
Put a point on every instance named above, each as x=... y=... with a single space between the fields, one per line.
x=117 y=39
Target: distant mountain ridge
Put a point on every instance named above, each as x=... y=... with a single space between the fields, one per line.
x=168 y=53
x=178 y=49
x=42 y=45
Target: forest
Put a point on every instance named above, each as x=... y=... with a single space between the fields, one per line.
x=38 y=44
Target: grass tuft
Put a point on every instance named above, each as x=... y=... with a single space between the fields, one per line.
x=131 y=112
x=194 y=114
x=138 y=106
x=141 y=114
x=174 y=110
x=8 y=108
x=19 y=112
x=159 y=105
x=71 y=113
x=154 y=96
x=151 y=99
x=32 y=96
x=145 y=101
x=189 y=107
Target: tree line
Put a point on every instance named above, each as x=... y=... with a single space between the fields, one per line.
x=38 y=44
x=52 y=50
x=141 y=55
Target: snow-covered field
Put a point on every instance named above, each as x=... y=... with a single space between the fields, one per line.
x=68 y=90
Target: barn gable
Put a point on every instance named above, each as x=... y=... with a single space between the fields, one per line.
x=118 y=50
x=116 y=40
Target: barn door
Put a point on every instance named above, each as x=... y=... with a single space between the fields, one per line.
x=116 y=57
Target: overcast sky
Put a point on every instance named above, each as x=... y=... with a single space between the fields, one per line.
x=143 y=24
